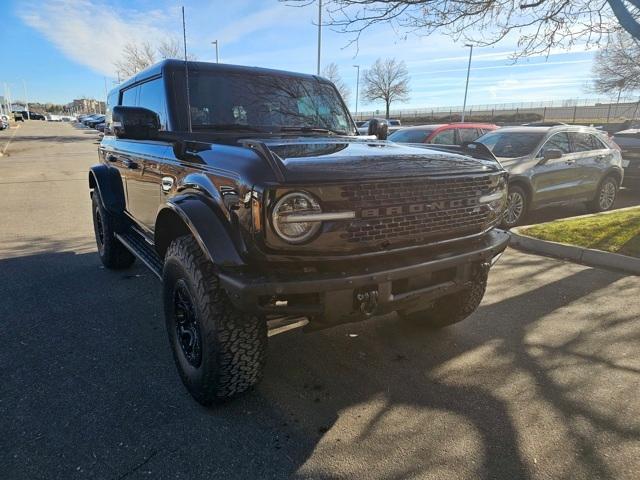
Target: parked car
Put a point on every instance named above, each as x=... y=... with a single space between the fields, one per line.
x=100 y=126
x=629 y=143
x=274 y=208
x=442 y=134
x=17 y=116
x=54 y=118
x=556 y=166
x=393 y=125
x=92 y=122
x=4 y=124
x=35 y=116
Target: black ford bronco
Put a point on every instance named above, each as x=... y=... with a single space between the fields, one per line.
x=250 y=194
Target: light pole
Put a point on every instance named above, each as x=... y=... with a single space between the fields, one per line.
x=319 y=32
x=466 y=88
x=357 y=86
x=26 y=101
x=215 y=42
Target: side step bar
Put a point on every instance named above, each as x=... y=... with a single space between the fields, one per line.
x=137 y=244
x=284 y=324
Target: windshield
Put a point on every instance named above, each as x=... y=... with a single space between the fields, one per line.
x=256 y=101
x=511 y=144
x=410 y=135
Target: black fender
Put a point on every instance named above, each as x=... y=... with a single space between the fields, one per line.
x=191 y=214
x=108 y=183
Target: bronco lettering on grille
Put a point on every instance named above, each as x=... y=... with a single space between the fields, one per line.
x=418 y=208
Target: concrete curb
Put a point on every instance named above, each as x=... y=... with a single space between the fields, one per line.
x=585 y=256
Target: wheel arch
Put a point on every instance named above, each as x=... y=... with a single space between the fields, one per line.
x=525 y=185
x=190 y=215
x=107 y=182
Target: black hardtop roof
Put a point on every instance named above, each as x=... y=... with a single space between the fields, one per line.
x=175 y=65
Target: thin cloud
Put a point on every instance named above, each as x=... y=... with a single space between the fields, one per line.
x=90 y=32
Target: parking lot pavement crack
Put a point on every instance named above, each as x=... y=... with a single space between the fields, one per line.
x=138 y=466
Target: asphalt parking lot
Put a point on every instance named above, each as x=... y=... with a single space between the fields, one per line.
x=541 y=382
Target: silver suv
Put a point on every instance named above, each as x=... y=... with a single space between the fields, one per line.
x=556 y=165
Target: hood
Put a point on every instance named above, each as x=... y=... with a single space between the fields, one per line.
x=344 y=158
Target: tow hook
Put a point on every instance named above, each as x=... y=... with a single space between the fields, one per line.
x=367 y=301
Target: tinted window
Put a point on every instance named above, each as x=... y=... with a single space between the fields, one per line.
x=413 y=135
x=511 y=144
x=394 y=123
x=466 y=135
x=152 y=97
x=445 y=137
x=584 y=142
x=130 y=97
x=559 y=141
x=255 y=100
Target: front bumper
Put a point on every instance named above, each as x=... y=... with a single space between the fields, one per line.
x=405 y=283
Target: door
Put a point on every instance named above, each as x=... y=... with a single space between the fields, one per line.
x=592 y=159
x=143 y=161
x=556 y=180
x=145 y=158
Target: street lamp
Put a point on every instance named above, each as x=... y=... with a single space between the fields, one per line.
x=357 y=86
x=215 y=42
x=319 y=31
x=466 y=88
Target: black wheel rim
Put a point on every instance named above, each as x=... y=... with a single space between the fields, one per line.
x=186 y=324
x=99 y=229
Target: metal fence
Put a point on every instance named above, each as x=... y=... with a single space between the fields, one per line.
x=571 y=111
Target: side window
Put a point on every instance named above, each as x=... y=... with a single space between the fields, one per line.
x=466 y=135
x=152 y=97
x=445 y=137
x=112 y=100
x=559 y=141
x=584 y=142
x=130 y=97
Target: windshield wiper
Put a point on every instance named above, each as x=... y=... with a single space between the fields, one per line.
x=227 y=126
x=312 y=130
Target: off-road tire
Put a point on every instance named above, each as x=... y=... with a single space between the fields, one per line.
x=233 y=343
x=113 y=254
x=515 y=190
x=452 y=308
x=599 y=203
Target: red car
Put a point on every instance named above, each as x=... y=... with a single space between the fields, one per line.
x=442 y=134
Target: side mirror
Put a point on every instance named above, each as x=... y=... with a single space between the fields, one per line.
x=136 y=123
x=551 y=154
x=379 y=128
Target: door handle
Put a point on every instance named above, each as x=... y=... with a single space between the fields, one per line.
x=112 y=158
x=570 y=162
x=129 y=163
x=167 y=184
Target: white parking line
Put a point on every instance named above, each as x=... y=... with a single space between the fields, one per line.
x=9 y=141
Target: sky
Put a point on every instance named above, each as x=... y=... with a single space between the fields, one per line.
x=58 y=50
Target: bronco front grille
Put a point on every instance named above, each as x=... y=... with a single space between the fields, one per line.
x=425 y=209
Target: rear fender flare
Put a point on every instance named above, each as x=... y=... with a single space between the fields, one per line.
x=192 y=215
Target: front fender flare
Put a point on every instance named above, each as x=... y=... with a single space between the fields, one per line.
x=108 y=183
x=192 y=215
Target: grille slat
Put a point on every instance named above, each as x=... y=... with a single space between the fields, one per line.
x=417 y=210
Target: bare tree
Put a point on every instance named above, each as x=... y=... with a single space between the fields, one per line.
x=386 y=80
x=616 y=67
x=136 y=57
x=330 y=72
x=541 y=25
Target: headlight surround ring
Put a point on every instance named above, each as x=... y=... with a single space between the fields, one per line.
x=295 y=203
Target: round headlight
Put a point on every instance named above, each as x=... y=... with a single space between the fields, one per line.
x=288 y=215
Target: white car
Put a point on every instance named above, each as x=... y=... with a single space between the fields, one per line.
x=393 y=123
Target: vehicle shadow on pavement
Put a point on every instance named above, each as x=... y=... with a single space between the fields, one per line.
x=90 y=386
